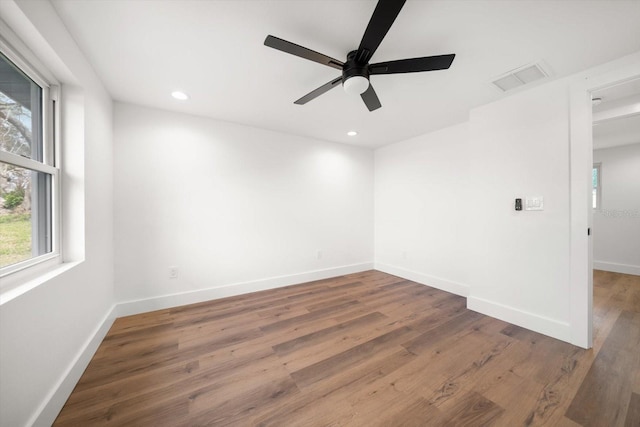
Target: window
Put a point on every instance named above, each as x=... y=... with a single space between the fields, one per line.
x=28 y=172
x=596 y=178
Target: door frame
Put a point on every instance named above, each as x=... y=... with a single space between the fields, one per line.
x=580 y=166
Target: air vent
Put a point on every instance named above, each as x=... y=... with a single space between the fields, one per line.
x=520 y=77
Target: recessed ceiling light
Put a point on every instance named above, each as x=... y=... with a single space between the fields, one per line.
x=180 y=95
x=596 y=101
x=352 y=133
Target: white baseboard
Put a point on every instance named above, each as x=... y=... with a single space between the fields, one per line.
x=534 y=322
x=128 y=308
x=49 y=410
x=617 y=268
x=425 y=279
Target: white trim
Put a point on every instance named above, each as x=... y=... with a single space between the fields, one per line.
x=46 y=414
x=14 y=54
x=26 y=163
x=10 y=269
x=425 y=279
x=581 y=163
x=544 y=325
x=616 y=267
x=581 y=214
x=128 y=308
x=20 y=282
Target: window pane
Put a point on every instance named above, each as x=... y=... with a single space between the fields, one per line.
x=594 y=200
x=25 y=214
x=594 y=177
x=20 y=112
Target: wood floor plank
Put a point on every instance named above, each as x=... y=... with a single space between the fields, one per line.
x=430 y=338
x=129 y=324
x=348 y=358
x=635 y=387
x=319 y=351
x=309 y=317
x=368 y=349
x=417 y=413
x=466 y=371
x=367 y=403
x=86 y=400
x=120 y=398
x=312 y=338
x=510 y=391
x=633 y=413
x=472 y=410
x=221 y=339
x=325 y=402
x=608 y=380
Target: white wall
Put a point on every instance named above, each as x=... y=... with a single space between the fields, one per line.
x=520 y=264
x=616 y=226
x=445 y=209
x=44 y=332
x=422 y=208
x=232 y=205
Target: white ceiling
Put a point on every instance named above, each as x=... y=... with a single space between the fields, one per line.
x=213 y=50
x=617 y=118
x=614 y=133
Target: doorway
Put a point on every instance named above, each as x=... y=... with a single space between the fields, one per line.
x=616 y=178
x=615 y=204
x=581 y=188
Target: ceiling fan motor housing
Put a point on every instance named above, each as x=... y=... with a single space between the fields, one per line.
x=352 y=68
x=355 y=75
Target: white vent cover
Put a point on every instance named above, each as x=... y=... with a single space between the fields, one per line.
x=520 y=77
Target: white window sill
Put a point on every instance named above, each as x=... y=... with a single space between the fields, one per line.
x=22 y=282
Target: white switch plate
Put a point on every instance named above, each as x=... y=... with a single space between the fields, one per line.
x=534 y=203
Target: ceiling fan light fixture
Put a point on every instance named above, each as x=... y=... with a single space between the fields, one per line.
x=356 y=85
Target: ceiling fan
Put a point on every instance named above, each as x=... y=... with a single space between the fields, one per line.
x=356 y=70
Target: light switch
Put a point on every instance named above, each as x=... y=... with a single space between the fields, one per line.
x=534 y=203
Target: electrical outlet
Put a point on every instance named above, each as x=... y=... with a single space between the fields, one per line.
x=173 y=272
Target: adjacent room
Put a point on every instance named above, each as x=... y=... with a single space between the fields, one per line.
x=320 y=212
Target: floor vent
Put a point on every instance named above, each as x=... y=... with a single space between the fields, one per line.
x=520 y=77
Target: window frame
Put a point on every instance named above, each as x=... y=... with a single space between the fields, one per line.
x=50 y=164
x=598 y=187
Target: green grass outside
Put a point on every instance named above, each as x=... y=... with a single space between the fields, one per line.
x=15 y=238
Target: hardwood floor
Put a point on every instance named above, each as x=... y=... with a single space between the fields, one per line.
x=367 y=349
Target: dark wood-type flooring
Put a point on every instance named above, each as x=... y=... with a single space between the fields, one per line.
x=366 y=349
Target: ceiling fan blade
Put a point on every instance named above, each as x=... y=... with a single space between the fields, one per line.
x=383 y=17
x=413 y=65
x=302 y=52
x=317 y=92
x=371 y=99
